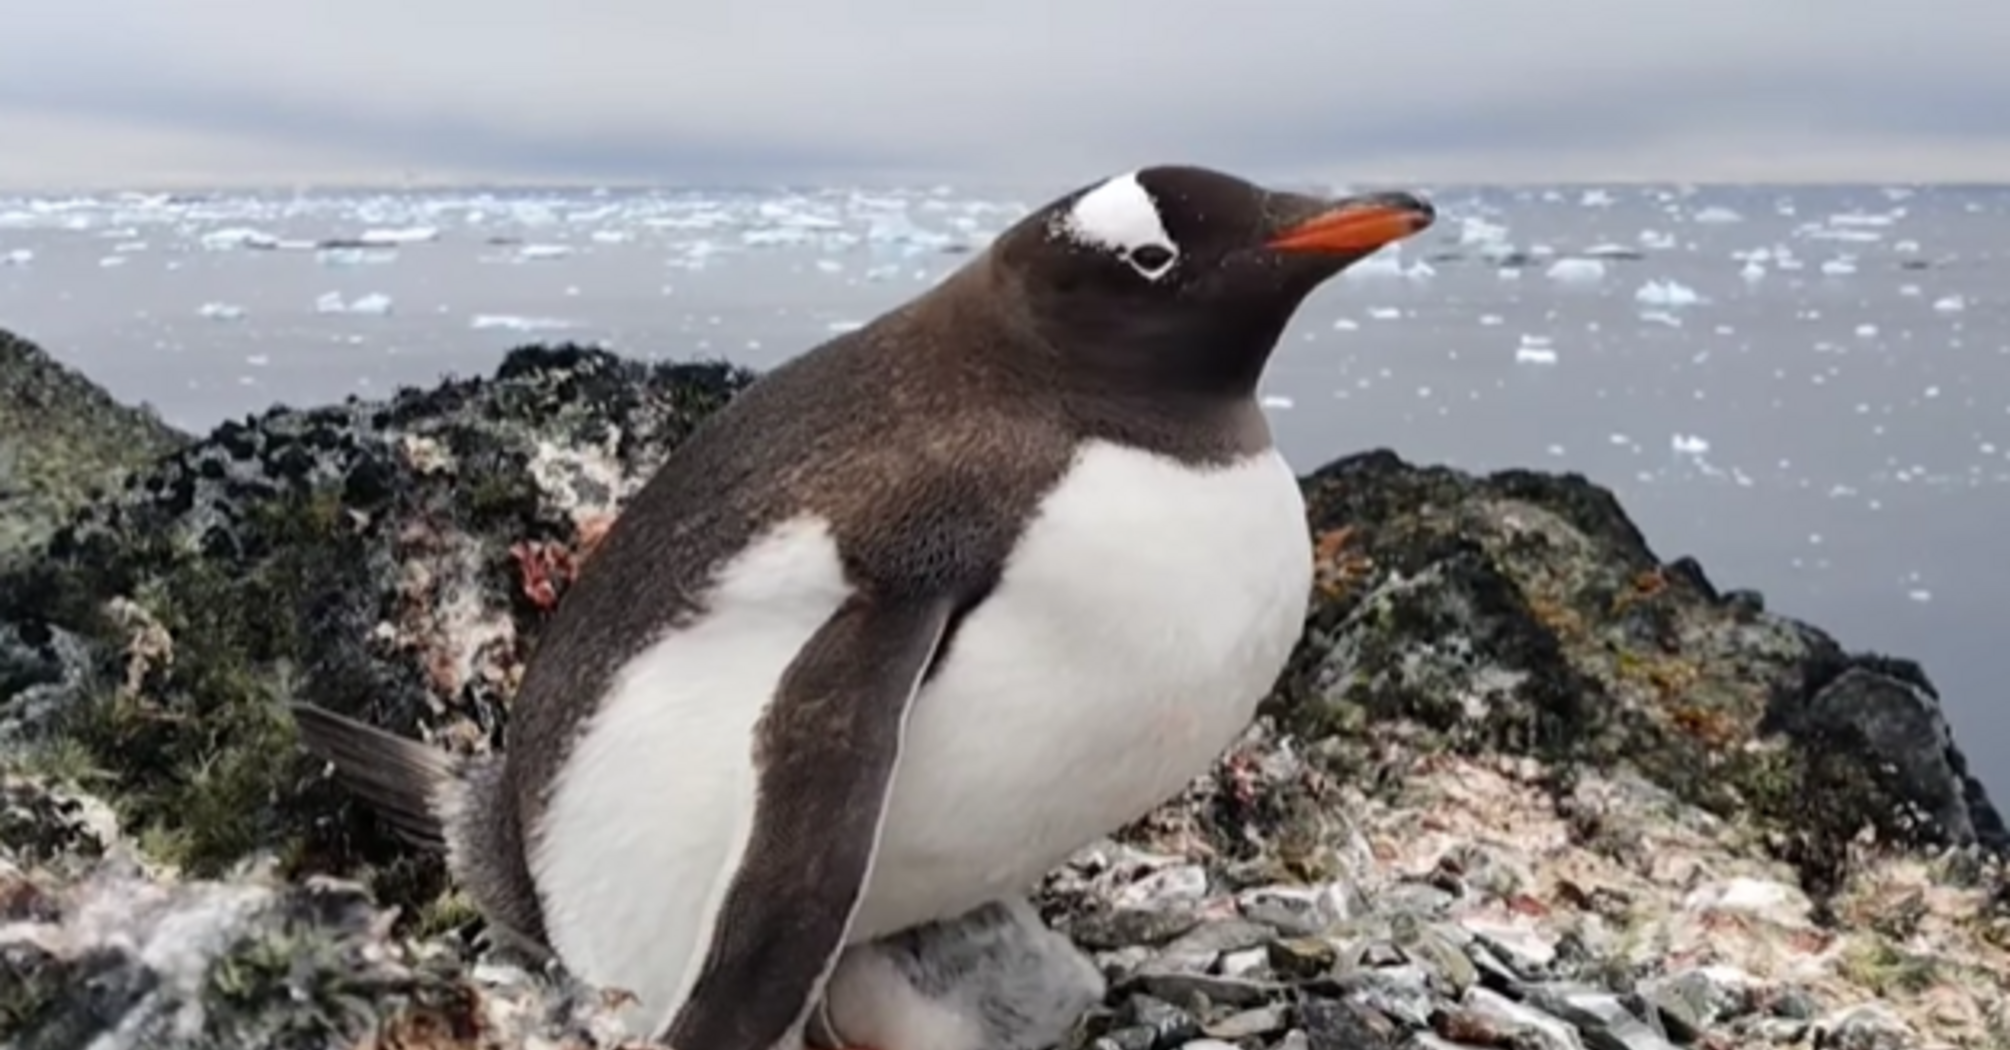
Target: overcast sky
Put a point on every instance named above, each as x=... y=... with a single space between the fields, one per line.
x=154 y=93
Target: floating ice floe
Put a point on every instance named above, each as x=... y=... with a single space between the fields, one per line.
x=1716 y=215
x=1576 y=271
x=17 y=257
x=1688 y=445
x=1535 y=350
x=1666 y=293
x=234 y=237
x=376 y=303
x=1842 y=266
x=518 y=324
x=403 y=235
x=1950 y=304
x=1277 y=401
x=543 y=251
x=220 y=311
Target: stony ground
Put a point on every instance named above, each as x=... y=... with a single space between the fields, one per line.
x=1524 y=785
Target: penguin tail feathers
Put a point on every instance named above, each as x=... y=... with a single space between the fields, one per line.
x=407 y=783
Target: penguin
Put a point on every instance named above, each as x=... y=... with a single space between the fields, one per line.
x=917 y=615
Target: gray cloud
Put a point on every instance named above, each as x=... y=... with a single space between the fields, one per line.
x=138 y=91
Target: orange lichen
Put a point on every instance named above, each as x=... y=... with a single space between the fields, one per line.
x=1709 y=725
x=1643 y=586
x=1335 y=568
x=1558 y=618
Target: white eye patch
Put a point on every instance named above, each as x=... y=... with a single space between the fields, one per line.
x=1120 y=216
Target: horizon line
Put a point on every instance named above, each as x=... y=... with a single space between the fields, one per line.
x=584 y=184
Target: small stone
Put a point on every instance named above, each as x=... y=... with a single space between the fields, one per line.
x=1603 y=1022
x=1125 y=927
x=1181 y=884
x=1261 y=1021
x=1343 y=1026
x=1296 y=910
x=1451 y=963
x=1221 y=936
x=1208 y=1044
x=1430 y=1041
x=1693 y=1001
x=1245 y=963
x=1303 y=957
x=1525 y=952
x=1169 y=1024
x=1187 y=987
x=1795 y=1004
x=1133 y=1038
x=1378 y=953
x=1402 y=992
x=1414 y=898
x=1123 y=960
x=1870 y=1026
x=1490 y=968
x=1511 y=1018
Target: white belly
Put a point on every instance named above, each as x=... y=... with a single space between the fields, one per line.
x=1142 y=618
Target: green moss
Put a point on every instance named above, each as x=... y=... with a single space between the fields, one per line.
x=195 y=760
x=293 y=985
x=449 y=912
x=1890 y=971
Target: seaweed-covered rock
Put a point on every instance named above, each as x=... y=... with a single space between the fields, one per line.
x=1524 y=783
x=62 y=438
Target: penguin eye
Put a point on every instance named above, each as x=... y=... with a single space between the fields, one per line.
x=1152 y=259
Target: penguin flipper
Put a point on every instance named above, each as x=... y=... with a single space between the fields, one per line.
x=401 y=779
x=828 y=749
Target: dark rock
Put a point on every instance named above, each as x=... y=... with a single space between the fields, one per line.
x=1343 y=1026
x=1192 y=989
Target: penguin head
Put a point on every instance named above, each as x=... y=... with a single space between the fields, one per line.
x=1187 y=274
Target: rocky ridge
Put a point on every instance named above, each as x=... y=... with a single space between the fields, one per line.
x=62 y=438
x=1524 y=784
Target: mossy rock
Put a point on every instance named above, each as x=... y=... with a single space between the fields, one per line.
x=1524 y=613
x=357 y=556
x=63 y=440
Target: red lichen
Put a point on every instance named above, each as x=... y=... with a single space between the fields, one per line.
x=542 y=568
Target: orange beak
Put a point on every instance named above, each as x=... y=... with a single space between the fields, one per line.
x=1358 y=226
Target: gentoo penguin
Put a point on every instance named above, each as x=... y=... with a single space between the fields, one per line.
x=917 y=615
